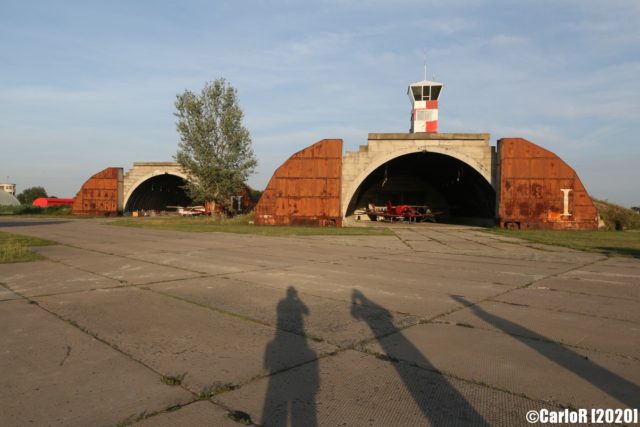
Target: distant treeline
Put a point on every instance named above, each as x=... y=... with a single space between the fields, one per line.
x=35 y=210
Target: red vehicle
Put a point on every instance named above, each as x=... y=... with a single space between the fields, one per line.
x=403 y=211
x=43 y=202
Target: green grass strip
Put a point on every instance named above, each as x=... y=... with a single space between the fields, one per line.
x=199 y=225
x=622 y=243
x=15 y=248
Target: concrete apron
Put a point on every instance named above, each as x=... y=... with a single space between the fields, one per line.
x=428 y=327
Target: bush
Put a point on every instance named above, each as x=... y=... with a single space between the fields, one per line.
x=617 y=217
x=35 y=210
x=30 y=194
x=238 y=219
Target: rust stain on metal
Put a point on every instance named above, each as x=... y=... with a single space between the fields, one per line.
x=305 y=190
x=100 y=195
x=539 y=190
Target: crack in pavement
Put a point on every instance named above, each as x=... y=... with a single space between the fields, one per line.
x=66 y=356
x=560 y=310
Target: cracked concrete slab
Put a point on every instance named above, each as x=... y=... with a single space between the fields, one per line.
x=176 y=337
x=539 y=370
x=327 y=319
x=203 y=413
x=95 y=235
x=455 y=269
x=466 y=241
x=487 y=260
x=389 y=241
x=356 y=389
x=415 y=292
x=298 y=250
x=47 y=277
x=7 y=294
x=596 y=287
x=607 y=273
x=230 y=333
x=213 y=261
x=607 y=335
x=619 y=265
x=119 y=268
x=55 y=375
x=590 y=305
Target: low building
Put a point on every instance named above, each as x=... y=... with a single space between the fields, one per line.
x=8 y=188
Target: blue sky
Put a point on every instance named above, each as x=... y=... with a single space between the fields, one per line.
x=85 y=85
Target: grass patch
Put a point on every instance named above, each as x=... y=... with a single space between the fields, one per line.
x=214 y=389
x=240 y=417
x=626 y=243
x=241 y=225
x=15 y=248
x=174 y=380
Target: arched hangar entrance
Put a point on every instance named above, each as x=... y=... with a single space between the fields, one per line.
x=443 y=183
x=458 y=173
x=156 y=192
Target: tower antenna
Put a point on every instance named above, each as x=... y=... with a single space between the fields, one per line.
x=425 y=63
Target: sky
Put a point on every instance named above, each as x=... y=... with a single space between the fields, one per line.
x=85 y=85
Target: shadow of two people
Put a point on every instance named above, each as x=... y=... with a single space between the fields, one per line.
x=291 y=395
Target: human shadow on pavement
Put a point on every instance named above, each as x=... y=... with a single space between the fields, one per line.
x=291 y=393
x=605 y=380
x=438 y=400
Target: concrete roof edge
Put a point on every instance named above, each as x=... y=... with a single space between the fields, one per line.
x=155 y=163
x=429 y=135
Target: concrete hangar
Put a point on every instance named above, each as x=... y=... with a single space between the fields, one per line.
x=517 y=183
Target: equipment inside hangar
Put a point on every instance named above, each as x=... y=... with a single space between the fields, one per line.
x=442 y=183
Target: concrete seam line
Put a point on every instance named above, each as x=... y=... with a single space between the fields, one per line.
x=526 y=285
x=559 y=310
x=548 y=341
x=436 y=371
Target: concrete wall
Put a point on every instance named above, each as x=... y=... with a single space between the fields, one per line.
x=142 y=171
x=470 y=148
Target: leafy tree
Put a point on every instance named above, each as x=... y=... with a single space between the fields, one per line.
x=215 y=148
x=28 y=195
x=255 y=195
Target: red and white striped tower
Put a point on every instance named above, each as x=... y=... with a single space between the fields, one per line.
x=424 y=98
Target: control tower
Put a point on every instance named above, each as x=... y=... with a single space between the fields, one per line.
x=424 y=101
